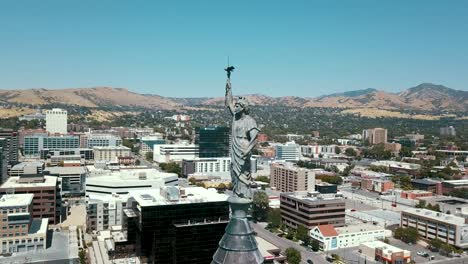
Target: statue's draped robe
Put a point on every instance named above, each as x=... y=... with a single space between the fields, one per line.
x=244 y=130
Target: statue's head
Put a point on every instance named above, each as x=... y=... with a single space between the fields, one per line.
x=241 y=105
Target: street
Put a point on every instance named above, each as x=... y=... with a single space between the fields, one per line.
x=283 y=244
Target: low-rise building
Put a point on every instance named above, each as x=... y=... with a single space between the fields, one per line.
x=325 y=187
x=315 y=151
x=431 y=224
x=331 y=238
x=104 y=211
x=108 y=154
x=148 y=142
x=71 y=179
x=288 y=151
x=385 y=253
x=27 y=168
x=311 y=209
x=175 y=152
x=271 y=253
x=377 y=185
x=46 y=202
x=121 y=182
x=100 y=140
x=20 y=232
x=286 y=177
x=415 y=194
x=398 y=167
x=451 y=185
x=427 y=185
x=206 y=166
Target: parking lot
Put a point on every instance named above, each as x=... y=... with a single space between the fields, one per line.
x=415 y=249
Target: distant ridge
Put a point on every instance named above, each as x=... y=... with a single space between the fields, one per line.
x=424 y=97
x=351 y=93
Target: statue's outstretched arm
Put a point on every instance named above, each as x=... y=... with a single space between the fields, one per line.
x=228 y=100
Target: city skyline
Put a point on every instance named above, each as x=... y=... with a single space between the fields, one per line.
x=306 y=49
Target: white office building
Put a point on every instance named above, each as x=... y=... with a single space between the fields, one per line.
x=104 y=211
x=56 y=121
x=288 y=151
x=315 y=151
x=101 y=140
x=431 y=224
x=121 y=182
x=148 y=142
x=175 y=152
x=331 y=238
x=108 y=154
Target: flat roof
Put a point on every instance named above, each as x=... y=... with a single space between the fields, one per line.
x=319 y=197
x=111 y=148
x=65 y=170
x=14 y=200
x=153 y=197
x=446 y=218
x=265 y=247
x=39 y=226
x=380 y=244
x=424 y=181
x=22 y=165
x=13 y=182
x=357 y=228
x=457 y=182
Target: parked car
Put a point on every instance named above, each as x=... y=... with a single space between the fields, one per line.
x=309 y=261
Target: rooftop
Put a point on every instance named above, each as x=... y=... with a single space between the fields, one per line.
x=457 y=182
x=39 y=226
x=446 y=218
x=123 y=177
x=14 y=200
x=379 y=244
x=14 y=182
x=327 y=230
x=154 y=197
x=65 y=170
x=305 y=196
x=357 y=228
x=112 y=148
x=23 y=165
x=425 y=181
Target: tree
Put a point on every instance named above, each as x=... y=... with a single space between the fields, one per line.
x=421 y=204
x=302 y=234
x=82 y=256
x=350 y=152
x=407 y=235
x=149 y=156
x=221 y=187
x=436 y=244
x=337 y=150
x=192 y=181
x=315 y=244
x=260 y=206
x=274 y=218
x=293 y=256
x=171 y=167
x=263 y=179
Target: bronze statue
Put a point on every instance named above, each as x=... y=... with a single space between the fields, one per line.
x=244 y=137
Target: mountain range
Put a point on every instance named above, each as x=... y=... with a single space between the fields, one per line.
x=424 y=97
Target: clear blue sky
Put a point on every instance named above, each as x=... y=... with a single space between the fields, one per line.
x=302 y=48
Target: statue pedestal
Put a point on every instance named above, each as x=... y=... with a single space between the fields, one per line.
x=238 y=245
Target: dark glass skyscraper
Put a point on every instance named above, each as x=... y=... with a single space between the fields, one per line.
x=213 y=142
x=177 y=231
